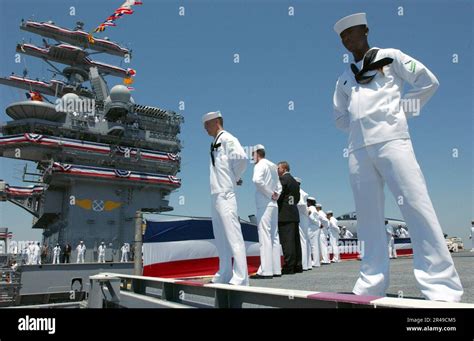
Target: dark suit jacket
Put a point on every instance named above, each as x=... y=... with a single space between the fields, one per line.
x=289 y=197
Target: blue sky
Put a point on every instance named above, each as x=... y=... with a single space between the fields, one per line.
x=282 y=58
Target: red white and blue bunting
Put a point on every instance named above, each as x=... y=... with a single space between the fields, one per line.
x=24 y=191
x=99 y=172
x=89 y=147
x=122 y=173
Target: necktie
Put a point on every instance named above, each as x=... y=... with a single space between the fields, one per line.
x=369 y=65
x=214 y=146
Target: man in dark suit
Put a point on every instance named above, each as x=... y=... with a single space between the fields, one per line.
x=288 y=220
x=67 y=252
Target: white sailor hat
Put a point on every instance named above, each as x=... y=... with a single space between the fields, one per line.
x=329 y=212
x=259 y=147
x=350 y=21
x=298 y=180
x=211 y=115
x=318 y=205
x=311 y=198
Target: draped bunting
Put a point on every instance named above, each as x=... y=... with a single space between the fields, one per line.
x=24 y=191
x=88 y=146
x=122 y=173
x=33 y=137
x=110 y=173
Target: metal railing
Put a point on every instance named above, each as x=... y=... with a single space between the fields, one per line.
x=116 y=290
x=10 y=284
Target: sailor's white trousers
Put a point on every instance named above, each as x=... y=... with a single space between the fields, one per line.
x=270 y=249
x=305 y=242
x=334 y=241
x=394 y=162
x=314 y=237
x=229 y=240
x=323 y=246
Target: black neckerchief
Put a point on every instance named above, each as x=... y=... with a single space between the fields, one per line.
x=214 y=146
x=369 y=65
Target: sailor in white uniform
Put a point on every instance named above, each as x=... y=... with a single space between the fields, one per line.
x=228 y=163
x=368 y=104
x=314 y=232
x=81 y=251
x=304 y=229
x=345 y=233
x=333 y=236
x=392 y=252
x=267 y=183
x=124 y=249
x=31 y=253
x=36 y=253
x=323 y=235
x=402 y=232
x=56 y=253
x=101 y=250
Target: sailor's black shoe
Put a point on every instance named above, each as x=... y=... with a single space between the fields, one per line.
x=257 y=276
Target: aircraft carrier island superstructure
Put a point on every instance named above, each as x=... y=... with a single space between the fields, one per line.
x=100 y=156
